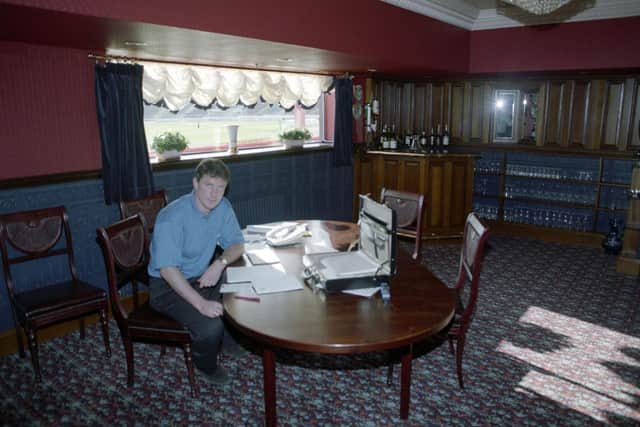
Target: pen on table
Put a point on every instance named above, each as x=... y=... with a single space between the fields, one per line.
x=256 y=299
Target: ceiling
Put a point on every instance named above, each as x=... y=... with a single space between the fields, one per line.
x=99 y=34
x=489 y=14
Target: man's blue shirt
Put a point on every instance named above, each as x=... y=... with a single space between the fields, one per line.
x=185 y=238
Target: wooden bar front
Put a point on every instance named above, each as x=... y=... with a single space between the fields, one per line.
x=446 y=180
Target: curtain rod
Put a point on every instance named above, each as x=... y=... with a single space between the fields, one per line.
x=108 y=58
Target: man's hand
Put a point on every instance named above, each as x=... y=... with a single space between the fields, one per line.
x=211 y=308
x=212 y=275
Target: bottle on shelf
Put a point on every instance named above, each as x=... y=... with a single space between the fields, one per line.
x=393 y=141
x=384 y=138
x=445 y=139
x=423 y=140
x=438 y=138
x=432 y=140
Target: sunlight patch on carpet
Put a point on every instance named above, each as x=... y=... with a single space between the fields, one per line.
x=582 y=365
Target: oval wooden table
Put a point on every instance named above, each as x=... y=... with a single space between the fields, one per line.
x=336 y=323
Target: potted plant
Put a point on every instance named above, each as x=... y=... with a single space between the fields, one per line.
x=169 y=145
x=295 y=137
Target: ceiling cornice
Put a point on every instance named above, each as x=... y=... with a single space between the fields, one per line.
x=454 y=12
x=465 y=15
x=602 y=9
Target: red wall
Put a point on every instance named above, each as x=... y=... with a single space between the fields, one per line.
x=366 y=28
x=588 y=45
x=49 y=126
x=48 y=122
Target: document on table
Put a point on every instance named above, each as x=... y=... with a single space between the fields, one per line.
x=259 y=255
x=242 y=287
x=264 y=278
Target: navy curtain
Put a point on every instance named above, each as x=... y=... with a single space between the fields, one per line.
x=126 y=172
x=342 y=136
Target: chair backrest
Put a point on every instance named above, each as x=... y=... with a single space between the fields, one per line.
x=147 y=206
x=125 y=248
x=409 y=208
x=471 y=256
x=30 y=235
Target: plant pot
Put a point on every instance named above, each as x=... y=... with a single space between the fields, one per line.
x=168 y=155
x=293 y=143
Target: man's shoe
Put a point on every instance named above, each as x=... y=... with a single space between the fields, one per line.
x=219 y=377
x=233 y=349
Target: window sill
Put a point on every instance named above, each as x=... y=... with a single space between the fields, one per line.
x=248 y=154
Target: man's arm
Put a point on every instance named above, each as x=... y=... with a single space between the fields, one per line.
x=178 y=283
x=213 y=273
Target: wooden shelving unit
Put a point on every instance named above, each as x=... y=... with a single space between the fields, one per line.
x=628 y=261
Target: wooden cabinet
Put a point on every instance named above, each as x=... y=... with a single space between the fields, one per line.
x=445 y=180
x=569 y=113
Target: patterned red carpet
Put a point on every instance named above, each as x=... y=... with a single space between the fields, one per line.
x=556 y=341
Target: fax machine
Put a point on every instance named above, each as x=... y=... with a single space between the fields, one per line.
x=372 y=264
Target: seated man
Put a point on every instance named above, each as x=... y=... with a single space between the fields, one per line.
x=182 y=282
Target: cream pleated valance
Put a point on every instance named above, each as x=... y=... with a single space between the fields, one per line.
x=177 y=85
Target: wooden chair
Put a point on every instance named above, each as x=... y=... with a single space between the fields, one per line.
x=409 y=208
x=148 y=206
x=125 y=247
x=30 y=236
x=466 y=289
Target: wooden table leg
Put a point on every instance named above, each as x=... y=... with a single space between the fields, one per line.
x=269 y=368
x=405 y=384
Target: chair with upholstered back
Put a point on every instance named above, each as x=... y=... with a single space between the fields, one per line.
x=31 y=236
x=148 y=206
x=125 y=247
x=466 y=287
x=409 y=208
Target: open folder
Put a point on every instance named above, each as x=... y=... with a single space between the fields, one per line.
x=265 y=279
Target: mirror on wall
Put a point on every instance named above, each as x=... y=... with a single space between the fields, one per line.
x=504 y=115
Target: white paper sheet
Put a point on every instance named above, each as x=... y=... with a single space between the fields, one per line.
x=262 y=255
x=242 y=287
x=265 y=278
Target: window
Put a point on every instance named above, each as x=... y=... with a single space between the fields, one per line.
x=259 y=125
x=200 y=102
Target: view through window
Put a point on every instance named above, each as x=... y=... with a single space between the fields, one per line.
x=259 y=125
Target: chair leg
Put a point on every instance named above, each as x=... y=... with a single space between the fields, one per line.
x=33 y=349
x=82 y=332
x=128 y=349
x=105 y=330
x=390 y=375
x=416 y=247
x=459 y=350
x=192 y=377
x=451 y=349
x=18 y=330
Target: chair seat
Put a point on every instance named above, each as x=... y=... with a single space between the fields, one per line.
x=146 y=319
x=56 y=297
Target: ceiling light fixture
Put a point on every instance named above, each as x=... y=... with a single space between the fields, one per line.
x=284 y=60
x=538 y=7
x=134 y=43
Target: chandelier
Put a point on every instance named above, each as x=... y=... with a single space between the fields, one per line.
x=538 y=7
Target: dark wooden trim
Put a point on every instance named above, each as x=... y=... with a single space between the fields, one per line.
x=568 y=151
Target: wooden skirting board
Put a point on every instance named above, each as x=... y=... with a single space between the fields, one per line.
x=546 y=233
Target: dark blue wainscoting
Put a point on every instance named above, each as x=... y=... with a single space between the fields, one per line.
x=270 y=189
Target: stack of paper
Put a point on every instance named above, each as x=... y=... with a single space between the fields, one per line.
x=264 y=278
